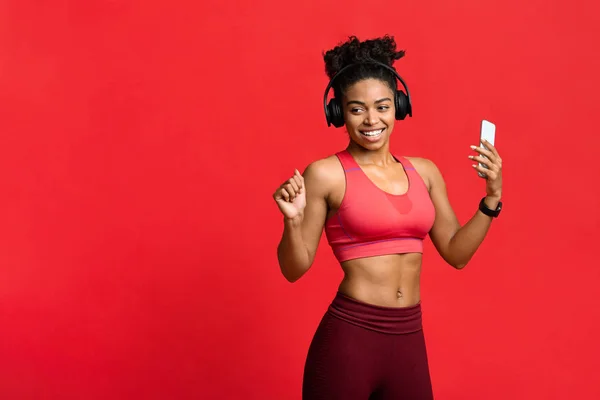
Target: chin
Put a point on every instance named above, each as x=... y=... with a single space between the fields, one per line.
x=373 y=146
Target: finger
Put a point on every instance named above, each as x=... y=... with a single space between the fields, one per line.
x=489 y=174
x=485 y=152
x=284 y=194
x=480 y=169
x=296 y=177
x=292 y=181
x=495 y=164
x=483 y=160
x=491 y=147
x=288 y=182
x=299 y=183
x=290 y=189
x=299 y=175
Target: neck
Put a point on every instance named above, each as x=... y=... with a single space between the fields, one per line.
x=380 y=157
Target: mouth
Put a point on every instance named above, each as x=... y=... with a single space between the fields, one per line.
x=372 y=132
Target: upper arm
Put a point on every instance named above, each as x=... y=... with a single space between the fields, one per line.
x=446 y=224
x=317 y=183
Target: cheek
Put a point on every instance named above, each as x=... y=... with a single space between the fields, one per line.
x=389 y=118
x=353 y=121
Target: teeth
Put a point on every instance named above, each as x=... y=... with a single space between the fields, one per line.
x=372 y=133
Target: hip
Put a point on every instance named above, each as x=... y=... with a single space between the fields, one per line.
x=374 y=317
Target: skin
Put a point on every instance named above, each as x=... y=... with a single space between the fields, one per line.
x=307 y=200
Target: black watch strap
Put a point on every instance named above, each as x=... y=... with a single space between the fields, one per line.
x=488 y=211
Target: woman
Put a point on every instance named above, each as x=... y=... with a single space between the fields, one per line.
x=376 y=208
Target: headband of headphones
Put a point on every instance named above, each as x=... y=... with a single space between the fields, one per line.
x=333 y=110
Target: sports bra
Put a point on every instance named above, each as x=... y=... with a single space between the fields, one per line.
x=371 y=222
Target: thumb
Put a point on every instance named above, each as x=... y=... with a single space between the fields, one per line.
x=299 y=175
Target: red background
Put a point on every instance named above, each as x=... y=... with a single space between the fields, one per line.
x=140 y=145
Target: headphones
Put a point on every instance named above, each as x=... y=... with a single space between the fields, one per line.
x=334 y=112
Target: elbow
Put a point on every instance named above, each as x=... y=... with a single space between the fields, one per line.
x=458 y=264
x=293 y=269
x=291 y=277
x=455 y=259
x=292 y=272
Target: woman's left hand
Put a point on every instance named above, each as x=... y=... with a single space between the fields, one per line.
x=493 y=173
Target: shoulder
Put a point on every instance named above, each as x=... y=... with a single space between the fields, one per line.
x=424 y=164
x=323 y=168
x=427 y=169
x=324 y=173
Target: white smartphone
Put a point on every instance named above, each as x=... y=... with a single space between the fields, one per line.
x=488 y=132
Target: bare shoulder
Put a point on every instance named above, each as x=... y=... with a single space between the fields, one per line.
x=324 y=173
x=427 y=169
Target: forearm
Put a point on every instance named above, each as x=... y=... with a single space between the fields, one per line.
x=293 y=256
x=469 y=237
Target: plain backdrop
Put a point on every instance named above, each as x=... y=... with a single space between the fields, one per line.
x=141 y=142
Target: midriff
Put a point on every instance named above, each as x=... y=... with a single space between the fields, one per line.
x=387 y=280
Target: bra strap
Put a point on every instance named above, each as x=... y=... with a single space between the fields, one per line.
x=405 y=163
x=414 y=176
x=347 y=160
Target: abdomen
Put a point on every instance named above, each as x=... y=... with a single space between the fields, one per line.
x=389 y=280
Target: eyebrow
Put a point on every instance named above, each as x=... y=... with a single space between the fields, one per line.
x=362 y=103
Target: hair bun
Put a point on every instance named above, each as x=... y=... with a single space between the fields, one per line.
x=353 y=51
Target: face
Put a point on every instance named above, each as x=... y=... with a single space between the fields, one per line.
x=369 y=113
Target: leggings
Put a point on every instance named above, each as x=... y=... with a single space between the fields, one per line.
x=366 y=352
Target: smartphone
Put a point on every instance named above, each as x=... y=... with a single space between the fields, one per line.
x=488 y=132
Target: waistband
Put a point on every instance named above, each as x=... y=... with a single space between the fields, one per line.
x=390 y=320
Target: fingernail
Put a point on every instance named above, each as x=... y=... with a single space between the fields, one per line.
x=474 y=165
x=473 y=147
x=471 y=157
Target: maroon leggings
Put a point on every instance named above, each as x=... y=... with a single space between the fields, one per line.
x=365 y=352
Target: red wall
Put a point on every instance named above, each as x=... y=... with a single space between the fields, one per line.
x=140 y=143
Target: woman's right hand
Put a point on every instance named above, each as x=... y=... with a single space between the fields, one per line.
x=291 y=196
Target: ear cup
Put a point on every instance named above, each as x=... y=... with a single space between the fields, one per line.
x=336 y=116
x=403 y=107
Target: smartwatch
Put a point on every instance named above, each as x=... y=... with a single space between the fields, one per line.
x=488 y=211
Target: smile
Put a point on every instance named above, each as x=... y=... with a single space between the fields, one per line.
x=372 y=133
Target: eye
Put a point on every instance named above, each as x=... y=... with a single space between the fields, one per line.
x=384 y=108
x=355 y=110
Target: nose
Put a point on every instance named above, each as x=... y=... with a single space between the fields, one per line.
x=371 y=118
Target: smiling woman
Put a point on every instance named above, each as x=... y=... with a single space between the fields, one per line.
x=369 y=111
x=376 y=208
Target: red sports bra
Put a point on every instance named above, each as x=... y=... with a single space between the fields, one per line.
x=371 y=222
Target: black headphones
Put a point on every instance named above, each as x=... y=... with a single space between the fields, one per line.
x=334 y=112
